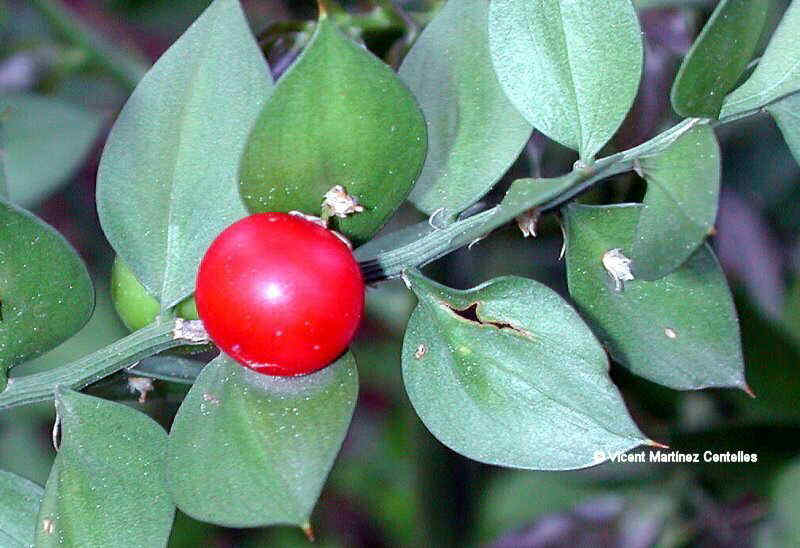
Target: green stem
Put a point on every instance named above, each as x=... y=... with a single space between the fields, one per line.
x=123 y=66
x=383 y=265
x=158 y=336
x=410 y=248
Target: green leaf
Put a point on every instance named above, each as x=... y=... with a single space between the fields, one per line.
x=106 y=487
x=248 y=450
x=525 y=194
x=778 y=72
x=46 y=294
x=680 y=330
x=167 y=180
x=786 y=113
x=474 y=132
x=572 y=68
x=169 y=368
x=46 y=141
x=339 y=116
x=680 y=204
x=506 y=373
x=19 y=506
x=718 y=57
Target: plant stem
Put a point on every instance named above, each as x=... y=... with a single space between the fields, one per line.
x=378 y=262
x=161 y=335
x=383 y=265
x=126 y=68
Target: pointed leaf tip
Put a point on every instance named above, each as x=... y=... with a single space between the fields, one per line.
x=235 y=424
x=539 y=401
x=572 y=69
x=680 y=330
x=308 y=531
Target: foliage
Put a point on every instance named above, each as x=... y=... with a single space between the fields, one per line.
x=174 y=152
x=107 y=451
x=512 y=372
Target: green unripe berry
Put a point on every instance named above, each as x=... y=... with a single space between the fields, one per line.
x=134 y=305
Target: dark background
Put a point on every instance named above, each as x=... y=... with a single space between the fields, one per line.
x=393 y=483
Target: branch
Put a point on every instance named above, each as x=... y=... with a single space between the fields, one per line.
x=380 y=259
x=378 y=264
x=158 y=336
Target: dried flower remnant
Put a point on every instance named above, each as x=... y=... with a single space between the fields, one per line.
x=338 y=203
x=527 y=222
x=142 y=385
x=618 y=267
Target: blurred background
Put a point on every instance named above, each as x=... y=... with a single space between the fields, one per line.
x=67 y=67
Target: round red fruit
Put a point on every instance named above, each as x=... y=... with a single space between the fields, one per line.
x=280 y=294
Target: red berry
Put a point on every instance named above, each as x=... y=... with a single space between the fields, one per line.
x=280 y=294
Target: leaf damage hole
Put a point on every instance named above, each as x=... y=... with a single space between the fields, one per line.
x=471 y=315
